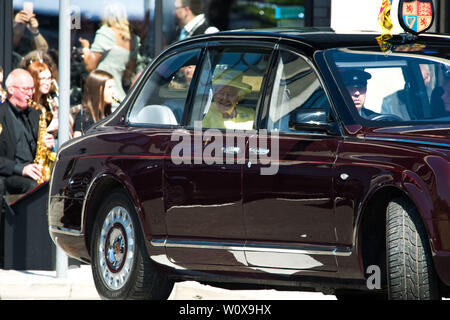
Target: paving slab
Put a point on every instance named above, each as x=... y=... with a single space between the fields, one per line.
x=79 y=285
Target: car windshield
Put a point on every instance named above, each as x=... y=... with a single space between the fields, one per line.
x=395 y=88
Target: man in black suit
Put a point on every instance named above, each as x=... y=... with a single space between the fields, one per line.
x=19 y=126
x=191 y=20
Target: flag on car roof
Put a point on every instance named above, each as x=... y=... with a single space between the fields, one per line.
x=384 y=17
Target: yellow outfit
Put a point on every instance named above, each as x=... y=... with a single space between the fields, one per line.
x=242 y=119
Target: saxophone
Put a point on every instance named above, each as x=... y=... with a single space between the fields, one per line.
x=44 y=157
x=2 y=95
x=52 y=98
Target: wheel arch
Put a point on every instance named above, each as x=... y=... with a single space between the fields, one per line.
x=370 y=235
x=101 y=185
x=371 y=245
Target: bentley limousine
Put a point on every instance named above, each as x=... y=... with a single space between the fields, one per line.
x=287 y=159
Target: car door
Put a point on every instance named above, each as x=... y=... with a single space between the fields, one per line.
x=203 y=177
x=288 y=196
x=155 y=114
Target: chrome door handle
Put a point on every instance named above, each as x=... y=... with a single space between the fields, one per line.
x=259 y=151
x=231 y=150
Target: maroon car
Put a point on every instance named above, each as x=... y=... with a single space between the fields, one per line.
x=283 y=159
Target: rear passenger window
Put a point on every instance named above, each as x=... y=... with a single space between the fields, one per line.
x=163 y=97
x=297 y=92
x=229 y=88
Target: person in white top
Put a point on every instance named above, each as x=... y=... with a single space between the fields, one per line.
x=191 y=20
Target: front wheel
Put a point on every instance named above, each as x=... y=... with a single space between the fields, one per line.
x=410 y=271
x=120 y=264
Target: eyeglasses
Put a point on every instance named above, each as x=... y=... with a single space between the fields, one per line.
x=25 y=89
x=181 y=7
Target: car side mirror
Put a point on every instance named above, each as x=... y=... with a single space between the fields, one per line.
x=310 y=120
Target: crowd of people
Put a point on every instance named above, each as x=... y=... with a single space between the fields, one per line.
x=111 y=64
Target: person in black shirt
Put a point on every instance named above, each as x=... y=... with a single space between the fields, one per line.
x=98 y=95
x=19 y=126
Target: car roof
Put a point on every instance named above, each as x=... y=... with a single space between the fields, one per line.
x=323 y=38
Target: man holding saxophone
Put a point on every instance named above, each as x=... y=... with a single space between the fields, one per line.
x=19 y=132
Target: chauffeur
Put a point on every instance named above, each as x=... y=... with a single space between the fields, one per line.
x=356 y=83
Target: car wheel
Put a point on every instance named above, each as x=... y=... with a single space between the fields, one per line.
x=410 y=269
x=120 y=264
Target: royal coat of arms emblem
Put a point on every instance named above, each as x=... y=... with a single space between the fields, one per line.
x=416 y=16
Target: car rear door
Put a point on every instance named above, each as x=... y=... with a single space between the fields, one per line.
x=288 y=196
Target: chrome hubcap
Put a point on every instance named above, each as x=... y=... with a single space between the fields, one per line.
x=116 y=248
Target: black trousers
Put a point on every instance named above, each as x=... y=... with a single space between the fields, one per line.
x=18 y=184
x=15 y=185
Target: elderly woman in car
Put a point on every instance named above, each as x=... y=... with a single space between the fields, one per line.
x=224 y=113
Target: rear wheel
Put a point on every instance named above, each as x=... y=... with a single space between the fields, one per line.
x=120 y=265
x=410 y=269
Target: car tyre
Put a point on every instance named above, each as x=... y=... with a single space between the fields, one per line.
x=120 y=264
x=410 y=271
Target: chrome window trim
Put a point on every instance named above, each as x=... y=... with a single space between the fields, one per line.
x=249 y=247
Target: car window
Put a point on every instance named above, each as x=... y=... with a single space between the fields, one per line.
x=389 y=90
x=163 y=97
x=297 y=92
x=395 y=88
x=229 y=88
